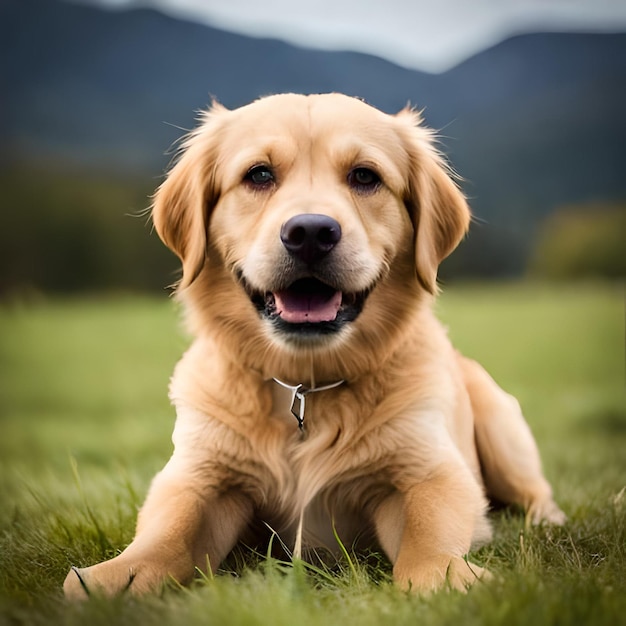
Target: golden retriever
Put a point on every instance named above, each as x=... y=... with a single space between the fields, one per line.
x=320 y=392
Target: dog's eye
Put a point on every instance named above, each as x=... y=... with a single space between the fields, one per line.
x=363 y=179
x=259 y=176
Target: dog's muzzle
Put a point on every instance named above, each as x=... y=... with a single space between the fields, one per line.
x=312 y=304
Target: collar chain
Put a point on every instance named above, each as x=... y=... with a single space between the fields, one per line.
x=298 y=397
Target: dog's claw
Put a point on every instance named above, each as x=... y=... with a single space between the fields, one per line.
x=82 y=582
x=75 y=585
x=131 y=578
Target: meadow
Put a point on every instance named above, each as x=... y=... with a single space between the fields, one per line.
x=85 y=423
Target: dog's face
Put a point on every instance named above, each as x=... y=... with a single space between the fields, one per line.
x=318 y=211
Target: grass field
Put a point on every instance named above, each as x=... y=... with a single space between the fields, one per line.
x=85 y=423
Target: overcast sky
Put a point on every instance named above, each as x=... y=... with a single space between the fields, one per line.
x=431 y=35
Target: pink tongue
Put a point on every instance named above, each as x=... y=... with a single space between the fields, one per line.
x=298 y=308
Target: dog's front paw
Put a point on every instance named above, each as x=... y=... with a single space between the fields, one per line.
x=462 y=574
x=546 y=511
x=81 y=583
x=444 y=572
x=113 y=578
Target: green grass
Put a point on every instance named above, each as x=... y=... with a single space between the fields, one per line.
x=85 y=423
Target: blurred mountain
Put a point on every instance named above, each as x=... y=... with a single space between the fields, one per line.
x=535 y=122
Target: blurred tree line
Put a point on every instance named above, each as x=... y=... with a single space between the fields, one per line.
x=68 y=233
x=581 y=241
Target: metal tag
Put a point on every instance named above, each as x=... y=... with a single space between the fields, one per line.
x=298 y=402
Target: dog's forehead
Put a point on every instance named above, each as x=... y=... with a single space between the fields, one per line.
x=314 y=104
x=309 y=115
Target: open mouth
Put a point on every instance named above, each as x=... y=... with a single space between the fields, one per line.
x=306 y=300
x=309 y=306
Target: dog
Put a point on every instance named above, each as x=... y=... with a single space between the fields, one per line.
x=321 y=397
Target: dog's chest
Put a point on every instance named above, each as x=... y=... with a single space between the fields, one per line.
x=317 y=457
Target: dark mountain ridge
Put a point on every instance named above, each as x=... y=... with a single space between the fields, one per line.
x=533 y=123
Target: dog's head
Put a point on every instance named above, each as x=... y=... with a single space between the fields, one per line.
x=309 y=214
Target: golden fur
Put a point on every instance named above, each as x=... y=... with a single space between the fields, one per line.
x=407 y=449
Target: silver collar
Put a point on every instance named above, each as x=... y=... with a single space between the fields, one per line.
x=298 y=397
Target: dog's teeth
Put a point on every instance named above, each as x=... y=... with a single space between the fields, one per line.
x=270 y=303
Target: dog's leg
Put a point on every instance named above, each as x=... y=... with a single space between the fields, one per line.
x=427 y=531
x=508 y=454
x=182 y=526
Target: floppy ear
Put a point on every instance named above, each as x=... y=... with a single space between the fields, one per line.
x=183 y=202
x=438 y=209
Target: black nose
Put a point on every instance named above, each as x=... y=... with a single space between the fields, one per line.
x=309 y=236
